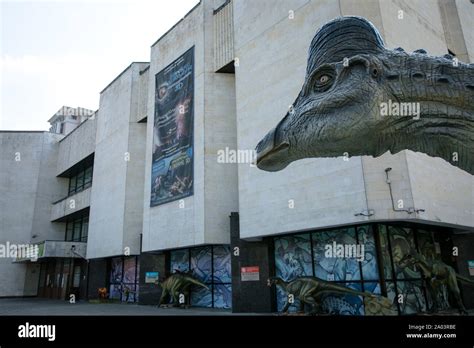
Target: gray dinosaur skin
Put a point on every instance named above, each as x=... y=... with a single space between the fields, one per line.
x=338 y=108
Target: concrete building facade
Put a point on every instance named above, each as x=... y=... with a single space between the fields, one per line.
x=90 y=201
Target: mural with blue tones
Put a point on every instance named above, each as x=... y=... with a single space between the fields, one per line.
x=210 y=264
x=304 y=255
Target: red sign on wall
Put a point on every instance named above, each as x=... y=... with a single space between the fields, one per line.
x=251 y=273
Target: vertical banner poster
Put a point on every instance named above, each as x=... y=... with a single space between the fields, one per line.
x=172 y=162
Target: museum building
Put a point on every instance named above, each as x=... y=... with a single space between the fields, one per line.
x=136 y=191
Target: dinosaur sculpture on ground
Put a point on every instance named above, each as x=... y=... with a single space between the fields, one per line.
x=436 y=273
x=310 y=290
x=360 y=98
x=176 y=284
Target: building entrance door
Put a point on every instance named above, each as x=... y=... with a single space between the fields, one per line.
x=59 y=278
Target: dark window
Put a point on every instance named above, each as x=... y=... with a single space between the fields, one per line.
x=72 y=185
x=85 y=229
x=88 y=177
x=80 y=181
x=77 y=230
x=69 y=231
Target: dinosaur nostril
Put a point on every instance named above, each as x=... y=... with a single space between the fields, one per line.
x=375 y=72
x=443 y=80
x=392 y=77
x=418 y=75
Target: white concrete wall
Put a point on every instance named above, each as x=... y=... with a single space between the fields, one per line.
x=421 y=182
x=205 y=216
x=272 y=51
x=168 y=226
x=77 y=145
x=63 y=249
x=142 y=94
x=466 y=17
x=71 y=204
x=445 y=192
x=27 y=188
x=133 y=221
x=220 y=130
x=421 y=26
x=116 y=195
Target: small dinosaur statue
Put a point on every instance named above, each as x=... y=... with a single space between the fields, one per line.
x=311 y=289
x=437 y=273
x=176 y=284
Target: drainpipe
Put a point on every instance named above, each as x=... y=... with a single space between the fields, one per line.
x=389 y=183
x=73 y=250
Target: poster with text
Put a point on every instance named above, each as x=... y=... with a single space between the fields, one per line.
x=172 y=163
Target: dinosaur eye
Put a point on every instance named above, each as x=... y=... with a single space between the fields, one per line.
x=323 y=81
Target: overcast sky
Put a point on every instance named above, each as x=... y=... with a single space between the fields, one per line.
x=56 y=53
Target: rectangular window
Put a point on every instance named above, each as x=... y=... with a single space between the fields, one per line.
x=88 y=177
x=85 y=229
x=69 y=231
x=80 y=181
x=77 y=230
x=72 y=185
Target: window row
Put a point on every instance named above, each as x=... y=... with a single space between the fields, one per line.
x=80 y=181
x=77 y=230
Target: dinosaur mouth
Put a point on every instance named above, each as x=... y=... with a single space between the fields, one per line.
x=271 y=160
x=271 y=155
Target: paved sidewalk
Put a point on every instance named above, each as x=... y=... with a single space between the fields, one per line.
x=40 y=306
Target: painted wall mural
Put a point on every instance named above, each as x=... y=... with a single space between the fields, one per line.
x=211 y=265
x=172 y=163
x=305 y=255
x=123 y=279
x=404 y=251
x=405 y=279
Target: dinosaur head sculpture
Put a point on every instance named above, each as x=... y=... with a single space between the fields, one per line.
x=360 y=98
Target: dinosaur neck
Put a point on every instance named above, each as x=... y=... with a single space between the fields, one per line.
x=424 y=266
x=443 y=96
x=280 y=282
x=422 y=78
